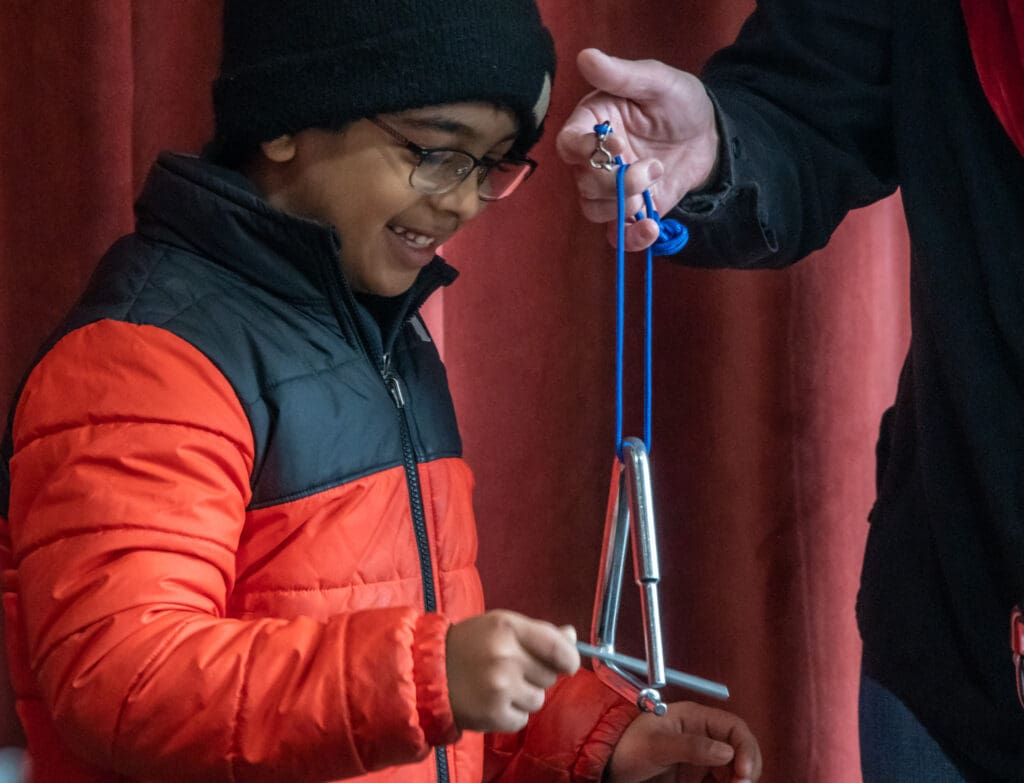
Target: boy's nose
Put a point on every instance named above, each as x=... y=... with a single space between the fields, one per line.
x=463 y=200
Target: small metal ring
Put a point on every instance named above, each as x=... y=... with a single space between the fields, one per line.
x=609 y=163
x=649 y=700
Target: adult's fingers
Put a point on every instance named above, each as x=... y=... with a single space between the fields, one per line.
x=639 y=235
x=576 y=140
x=606 y=210
x=600 y=184
x=599 y=199
x=618 y=83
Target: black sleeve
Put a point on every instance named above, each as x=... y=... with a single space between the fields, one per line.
x=803 y=99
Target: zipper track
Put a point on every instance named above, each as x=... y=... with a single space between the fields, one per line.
x=336 y=281
x=412 y=478
x=419 y=522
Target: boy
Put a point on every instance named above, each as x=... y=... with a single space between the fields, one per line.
x=242 y=543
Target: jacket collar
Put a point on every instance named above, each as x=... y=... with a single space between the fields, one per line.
x=215 y=212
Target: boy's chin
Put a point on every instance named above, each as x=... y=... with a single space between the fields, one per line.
x=388 y=286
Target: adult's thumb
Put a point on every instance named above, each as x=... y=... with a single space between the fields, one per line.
x=637 y=80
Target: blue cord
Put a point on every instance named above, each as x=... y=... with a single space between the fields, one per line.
x=620 y=301
x=672 y=237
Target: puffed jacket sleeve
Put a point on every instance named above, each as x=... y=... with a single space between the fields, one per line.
x=130 y=480
x=803 y=101
x=569 y=740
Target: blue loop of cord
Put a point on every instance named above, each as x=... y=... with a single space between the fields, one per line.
x=672 y=237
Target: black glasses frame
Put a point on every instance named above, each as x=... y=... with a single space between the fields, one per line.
x=483 y=164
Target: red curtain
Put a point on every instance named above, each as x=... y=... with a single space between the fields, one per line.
x=996 y=30
x=89 y=92
x=768 y=385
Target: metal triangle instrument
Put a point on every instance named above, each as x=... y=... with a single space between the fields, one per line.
x=630 y=516
x=629 y=523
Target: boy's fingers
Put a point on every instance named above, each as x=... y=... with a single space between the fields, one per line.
x=528 y=699
x=548 y=645
x=511 y=720
x=538 y=673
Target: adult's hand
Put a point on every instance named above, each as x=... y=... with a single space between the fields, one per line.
x=663 y=124
x=499 y=666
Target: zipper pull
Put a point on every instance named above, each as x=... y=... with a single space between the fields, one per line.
x=395 y=388
x=392 y=381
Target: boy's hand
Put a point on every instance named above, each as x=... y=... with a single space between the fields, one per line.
x=690 y=744
x=499 y=665
x=663 y=124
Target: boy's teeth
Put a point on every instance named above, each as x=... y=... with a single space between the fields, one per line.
x=417 y=239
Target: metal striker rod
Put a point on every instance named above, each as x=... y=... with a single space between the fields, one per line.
x=672 y=677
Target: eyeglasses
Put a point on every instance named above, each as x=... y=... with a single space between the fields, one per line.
x=441 y=170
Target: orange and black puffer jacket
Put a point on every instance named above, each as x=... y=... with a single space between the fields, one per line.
x=239 y=523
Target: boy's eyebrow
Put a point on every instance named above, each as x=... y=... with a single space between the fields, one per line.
x=446 y=124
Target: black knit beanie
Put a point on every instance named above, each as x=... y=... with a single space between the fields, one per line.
x=289 y=65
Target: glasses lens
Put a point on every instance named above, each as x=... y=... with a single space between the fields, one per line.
x=441 y=170
x=504 y=177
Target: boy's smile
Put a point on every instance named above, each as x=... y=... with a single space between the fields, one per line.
x=358 y=180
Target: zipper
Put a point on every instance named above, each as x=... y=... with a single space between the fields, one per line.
x=393 y=383
x=419 y=518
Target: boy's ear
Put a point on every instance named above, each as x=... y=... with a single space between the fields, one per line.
x=279 y=150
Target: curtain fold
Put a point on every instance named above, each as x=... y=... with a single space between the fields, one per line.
x=996 y=30
x=768 y=386
x=65 y=120
x=89 y=92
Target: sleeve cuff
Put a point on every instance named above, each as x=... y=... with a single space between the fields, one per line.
x=726 y=220
x=596 y=751
x=430 y=674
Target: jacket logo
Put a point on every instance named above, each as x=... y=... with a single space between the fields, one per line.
x=420 y=328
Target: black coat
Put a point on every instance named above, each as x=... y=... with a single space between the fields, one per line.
x=828 y=105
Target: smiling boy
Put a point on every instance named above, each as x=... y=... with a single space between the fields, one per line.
x=392 y=231
x=242 y=545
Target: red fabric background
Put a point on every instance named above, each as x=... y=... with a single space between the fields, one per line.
x=768 y=386
x=996 y=29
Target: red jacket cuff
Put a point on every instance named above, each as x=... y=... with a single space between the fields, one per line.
x=430 y=673
x=596 y=751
